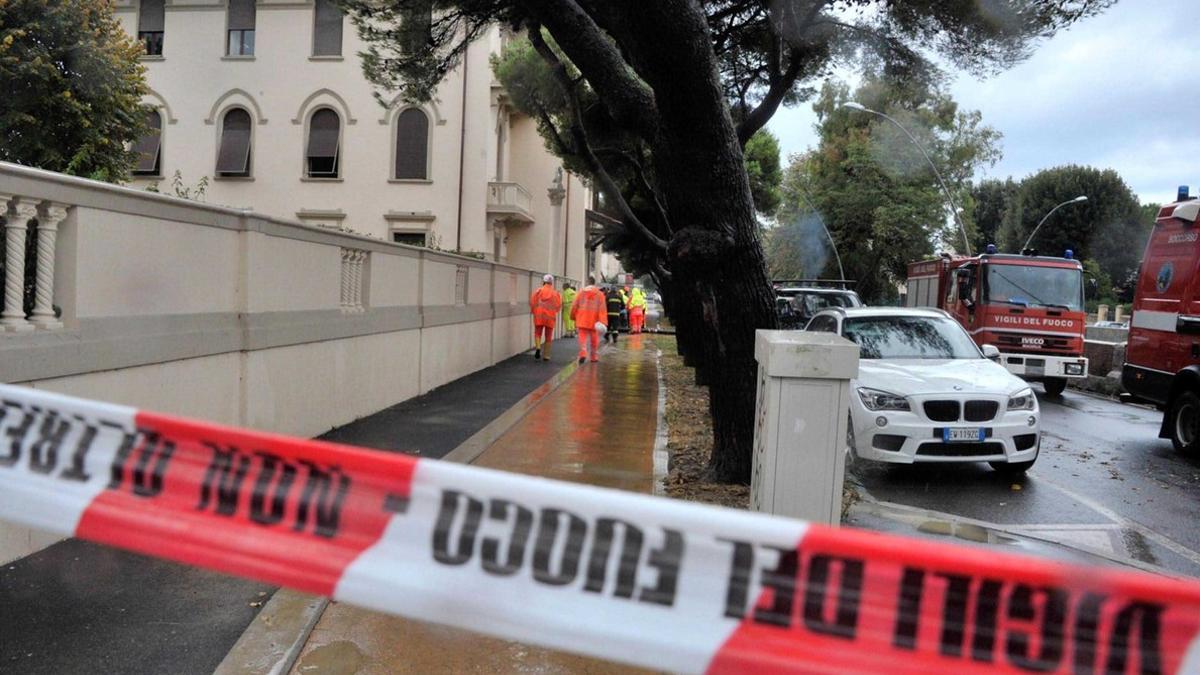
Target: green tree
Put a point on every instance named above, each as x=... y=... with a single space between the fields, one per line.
x=1149 y=213
x=764 y=171
x=874 y=189
x=656 y=101
x=1109 y=227
x=989 y=202
x=72 y=88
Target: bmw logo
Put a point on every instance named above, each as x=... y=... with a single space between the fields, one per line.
x=1165 y=273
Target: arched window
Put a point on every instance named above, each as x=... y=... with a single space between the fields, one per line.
x=149 y=147
x=324 y=144
x=412 y=145
x=233 y=157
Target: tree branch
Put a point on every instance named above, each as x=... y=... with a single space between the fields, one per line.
x=607 y=184
x=640 y=172
x=629 y=100
x=781 y=83
x=555 y=137
x=762 y=113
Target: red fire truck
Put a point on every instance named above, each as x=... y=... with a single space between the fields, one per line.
x=1028 y=307
x=1162 y=361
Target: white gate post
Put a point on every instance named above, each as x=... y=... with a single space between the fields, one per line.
x=800 y=423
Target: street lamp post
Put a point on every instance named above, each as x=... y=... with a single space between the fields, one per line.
x=854 y=105
x=1080 y=198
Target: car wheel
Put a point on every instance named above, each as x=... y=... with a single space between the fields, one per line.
x=1014 y=469
x=1185 y=423
x=1055 y=386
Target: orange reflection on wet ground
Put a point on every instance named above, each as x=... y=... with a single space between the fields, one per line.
x=597 y=428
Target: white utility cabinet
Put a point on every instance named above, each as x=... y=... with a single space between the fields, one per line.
x=800 y=423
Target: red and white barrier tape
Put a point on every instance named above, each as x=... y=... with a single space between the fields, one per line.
x=641 y=580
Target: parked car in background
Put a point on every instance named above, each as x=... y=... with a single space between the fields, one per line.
x=925 y=392
x=797 y=302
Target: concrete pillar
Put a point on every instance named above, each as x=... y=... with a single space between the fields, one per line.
x=15 y=230
x=556 y=192
x=1119 y=313
x=1102 y=313
x=50 y=215
x=800 y=431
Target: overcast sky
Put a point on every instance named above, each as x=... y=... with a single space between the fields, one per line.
x=1116 y=91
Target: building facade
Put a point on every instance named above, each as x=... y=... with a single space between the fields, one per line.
x=267 y=100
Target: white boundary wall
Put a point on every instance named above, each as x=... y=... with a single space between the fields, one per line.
x=223 y=314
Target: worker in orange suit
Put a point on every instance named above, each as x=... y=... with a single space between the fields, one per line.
x=545 y=303
x=637 y=310
x=588 y=310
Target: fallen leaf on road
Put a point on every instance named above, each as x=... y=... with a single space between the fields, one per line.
x=256 y=604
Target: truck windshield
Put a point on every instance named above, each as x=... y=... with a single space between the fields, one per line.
x=909 y=337
x=1029 y=285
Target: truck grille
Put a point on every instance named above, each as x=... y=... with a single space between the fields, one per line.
x=942 y=411
x=1047 y=344
x=980 y=411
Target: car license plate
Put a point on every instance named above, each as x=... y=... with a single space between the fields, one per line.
x=961 y=435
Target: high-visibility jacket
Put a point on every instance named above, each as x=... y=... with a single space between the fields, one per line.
x=568 y=299
x=588 y=308
x=545 y=303
x=637 y=299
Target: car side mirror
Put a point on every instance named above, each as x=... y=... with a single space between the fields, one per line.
x=991 y=352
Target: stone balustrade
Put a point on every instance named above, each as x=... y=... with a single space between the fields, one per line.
x=29 y=223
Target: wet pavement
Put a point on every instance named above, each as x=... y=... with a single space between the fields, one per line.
x=597 y=428
x=77 y=607
x=1104 y=481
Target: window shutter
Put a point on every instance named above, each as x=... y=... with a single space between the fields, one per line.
x=327 y=28
x=148 y=145
x=150 y=18
x=412 y=144
x=234 y=155
x=323 y=141
x=241 y=14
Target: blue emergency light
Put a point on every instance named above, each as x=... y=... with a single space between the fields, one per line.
x=1182 y=195
x=1069 y=254
x=991 y=249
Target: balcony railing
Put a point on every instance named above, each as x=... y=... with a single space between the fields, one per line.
x=510 y=202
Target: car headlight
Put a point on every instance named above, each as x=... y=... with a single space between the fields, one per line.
x=875 y=399
x=1022 y=400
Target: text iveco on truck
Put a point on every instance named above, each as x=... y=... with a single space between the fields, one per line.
x=1029 y=307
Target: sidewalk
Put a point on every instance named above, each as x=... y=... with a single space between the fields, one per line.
x=78 y=607
x=599 y=428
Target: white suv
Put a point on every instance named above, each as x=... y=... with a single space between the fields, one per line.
x=926 y=393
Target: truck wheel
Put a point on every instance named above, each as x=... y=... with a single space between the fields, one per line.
x=1185 y=423
x=1014 y=469
x=1054 y=386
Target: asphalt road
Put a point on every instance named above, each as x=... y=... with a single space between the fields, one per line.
x=1103 y=480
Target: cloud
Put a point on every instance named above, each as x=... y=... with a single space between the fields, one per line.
x=1114 y=91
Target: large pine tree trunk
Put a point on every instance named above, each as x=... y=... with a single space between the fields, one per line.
x=715 y=254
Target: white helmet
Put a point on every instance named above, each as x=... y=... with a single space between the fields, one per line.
x=601 y=328
x=548 y=279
